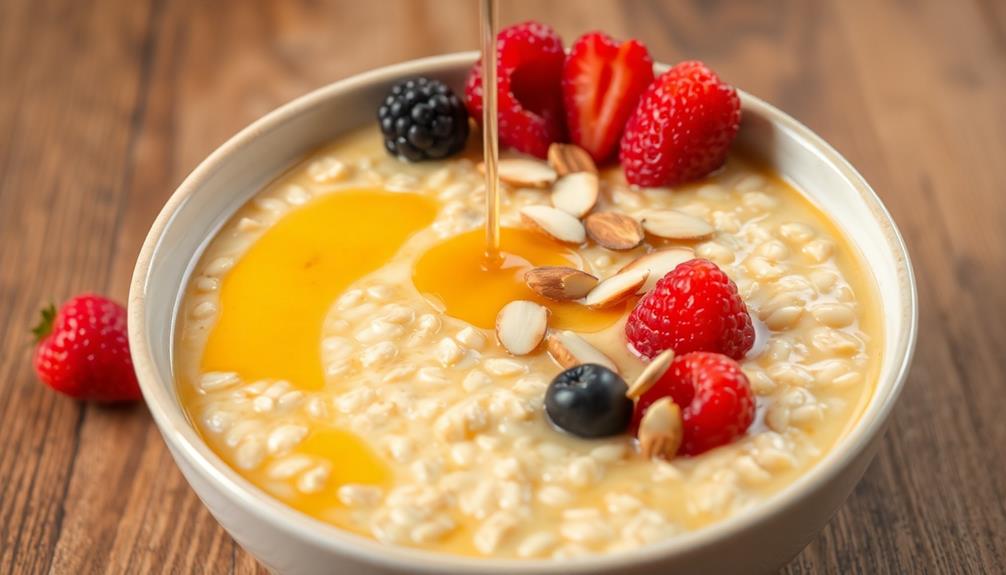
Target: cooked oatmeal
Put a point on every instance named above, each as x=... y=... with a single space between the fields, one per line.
x=310 y=362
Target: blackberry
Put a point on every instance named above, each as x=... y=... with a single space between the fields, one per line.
x=422 y=119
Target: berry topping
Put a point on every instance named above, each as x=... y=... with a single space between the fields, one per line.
x=601 y=84
x=422 y=119
x=588 y=400
x=714 y=395
x=682 y=127
x=83 y=351
x=695 y=307
x=528 y=70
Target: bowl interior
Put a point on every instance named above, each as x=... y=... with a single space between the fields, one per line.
x=242 y=166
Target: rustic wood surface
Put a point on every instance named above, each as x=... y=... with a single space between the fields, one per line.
x=105 y=105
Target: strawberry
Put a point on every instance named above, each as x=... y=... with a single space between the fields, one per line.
x=695 y=307
x=83 y=351
x=528 y=71
x=602 y=81
x=715 y=397
x=681 y=129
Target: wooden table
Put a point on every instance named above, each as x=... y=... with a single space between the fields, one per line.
x=106 y=105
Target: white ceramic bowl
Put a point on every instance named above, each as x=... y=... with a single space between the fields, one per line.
x=759 y=540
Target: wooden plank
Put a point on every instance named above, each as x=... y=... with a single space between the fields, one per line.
x=71 y=78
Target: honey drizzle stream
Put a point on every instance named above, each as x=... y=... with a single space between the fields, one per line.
x=490 y=142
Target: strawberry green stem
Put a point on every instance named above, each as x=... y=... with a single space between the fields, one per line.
x=44 y=327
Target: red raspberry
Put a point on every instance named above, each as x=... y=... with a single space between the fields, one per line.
x=714 y=395
x=83 y=350
x=682 y=128
x=695 y=307
x=601 y=84
x=528 y=71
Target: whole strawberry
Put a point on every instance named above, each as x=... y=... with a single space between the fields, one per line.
x=82 y=350
x=695 y=307
x=681 y=129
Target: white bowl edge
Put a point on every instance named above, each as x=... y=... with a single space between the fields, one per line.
x=186 y=444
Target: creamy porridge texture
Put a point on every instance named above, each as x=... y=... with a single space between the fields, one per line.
x=322 y=353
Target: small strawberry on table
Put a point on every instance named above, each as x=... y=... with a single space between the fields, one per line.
x=82 y=350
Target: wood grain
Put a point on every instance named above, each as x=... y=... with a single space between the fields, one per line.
x=106 y=105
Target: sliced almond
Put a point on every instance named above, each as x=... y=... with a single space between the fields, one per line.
x=521 y=325
x=675 y=225
x=575 y=193
x=570 y=158
x=559 y=283
x=614 y=230
x=661 y=430
x=555 y=222
x=570 y=350
x=616 y=288
x=653 y=372
x=522 y=172
x=660 y=263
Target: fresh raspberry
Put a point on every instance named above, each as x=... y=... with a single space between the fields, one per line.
x=528 y=70
x=714 y=395
x=83 y=350
x=682 y=128
x=695 y=307
x=602 y=81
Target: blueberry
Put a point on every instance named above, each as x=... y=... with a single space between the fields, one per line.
x=589 y=401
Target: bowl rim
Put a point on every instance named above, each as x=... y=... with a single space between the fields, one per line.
x=185 y=442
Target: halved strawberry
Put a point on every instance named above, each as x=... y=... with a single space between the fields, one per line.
x=602 y=81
